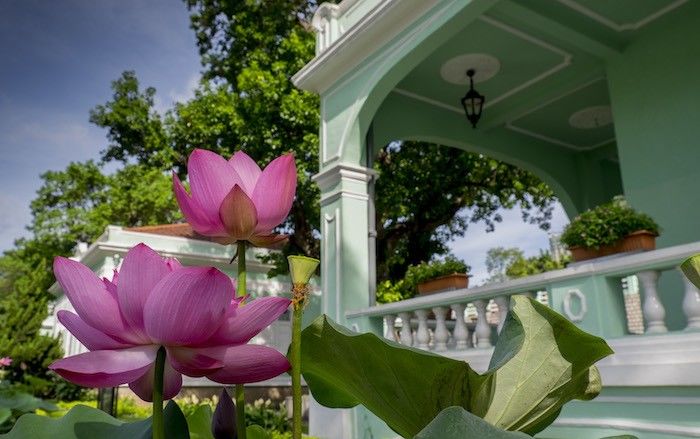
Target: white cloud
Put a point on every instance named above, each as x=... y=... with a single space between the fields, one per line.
x=512 y=232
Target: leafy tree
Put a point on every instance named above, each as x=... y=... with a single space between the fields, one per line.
x=510 y=263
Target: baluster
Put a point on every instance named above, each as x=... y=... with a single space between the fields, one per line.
x=390 y=321
x=502 y=302
x=691 y=304
x=483 y=330
x=652 y=308
x=461 y=332
x=406 y=336
x=441 y=334
x=423 y=334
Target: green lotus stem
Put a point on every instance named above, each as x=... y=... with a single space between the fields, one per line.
x=239 y=394
x=295 y=359
x=301 y=268
x=158 y=422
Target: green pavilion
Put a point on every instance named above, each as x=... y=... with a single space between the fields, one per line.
x=597 y=98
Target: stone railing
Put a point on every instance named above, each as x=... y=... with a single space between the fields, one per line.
x=593 y=294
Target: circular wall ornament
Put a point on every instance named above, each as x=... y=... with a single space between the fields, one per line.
x=592 y=117
x=485 y=67
x=570 y=299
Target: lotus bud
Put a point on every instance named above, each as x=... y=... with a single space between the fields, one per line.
x=223 y=423
x=691 y=269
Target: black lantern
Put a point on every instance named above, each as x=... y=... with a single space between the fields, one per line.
x=473 y=102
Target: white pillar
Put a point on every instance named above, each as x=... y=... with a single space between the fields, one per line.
x=652 y=308
x=503 y=303
x=423 y=334
x=406 y=337
x=461 y=332
x=691 y=304
x=390 y=321
x=441 y=334
x=483 y=330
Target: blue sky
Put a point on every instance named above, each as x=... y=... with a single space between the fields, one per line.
x=57 y=59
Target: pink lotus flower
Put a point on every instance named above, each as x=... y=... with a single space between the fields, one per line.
x=234 y=200
x=191 y=311
x=5 y=361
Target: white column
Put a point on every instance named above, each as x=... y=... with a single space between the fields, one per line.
x=652 y=308
x=441 y=334
x=461 y=332
x=503 y=303
x=390 y=321
x=423 y=334
x=406 y=337
x=691 y=304
x=483 y=330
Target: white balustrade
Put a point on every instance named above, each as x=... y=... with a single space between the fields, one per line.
x=461 y=332
x=652 y=308
x=406 y=336
x=483 y=330
x=691 y=304
x=422 y=334
x=503 y=303
x=441 y=334
x=390 y=321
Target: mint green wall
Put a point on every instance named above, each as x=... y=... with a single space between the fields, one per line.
x=655 y=92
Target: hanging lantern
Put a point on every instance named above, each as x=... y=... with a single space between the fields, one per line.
x=473 y=102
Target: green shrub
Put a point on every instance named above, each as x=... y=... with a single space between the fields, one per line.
x=606 y=224
x=407 y=287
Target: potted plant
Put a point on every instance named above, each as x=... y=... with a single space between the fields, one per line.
x=433 y=277
x=610 y=228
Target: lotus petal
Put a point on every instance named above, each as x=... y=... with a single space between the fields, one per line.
x=247 y=364
x=89 y=296
x=247 y=170
x=211 y=178
x=249 y=320
x=191 y=362
x=238 y=214
x=143 y=386
x=92 y=338
x=106 y=368
x=141 y=270
x=274 y=193
x=195 y=214
x=187 y=306
x=273 y=241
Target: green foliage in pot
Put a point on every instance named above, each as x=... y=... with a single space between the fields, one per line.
x=407 y=287
x=606 y=224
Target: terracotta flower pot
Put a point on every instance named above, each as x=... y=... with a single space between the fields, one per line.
x=640 y=240
x=454 y=281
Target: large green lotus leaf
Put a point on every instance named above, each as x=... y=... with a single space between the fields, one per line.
x=457 y=423
x=199 y=422
x=541 y=362
x=405 y=387
x=83 y=422
x=24 y=402
x=257 y=432
x=5 y=414
x=691 y=269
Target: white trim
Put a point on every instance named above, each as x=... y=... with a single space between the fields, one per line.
x=621 y=27
x=629 y=424
x=567 y=305
x=661 y=259
x=331 y=176
x=328 y=219
x=334 y=196
x=427 y=100
x=690 y=400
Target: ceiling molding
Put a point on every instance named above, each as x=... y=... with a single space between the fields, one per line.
x=510 y=124
x=566 y=58
x=621 y=27
x=557 y=141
